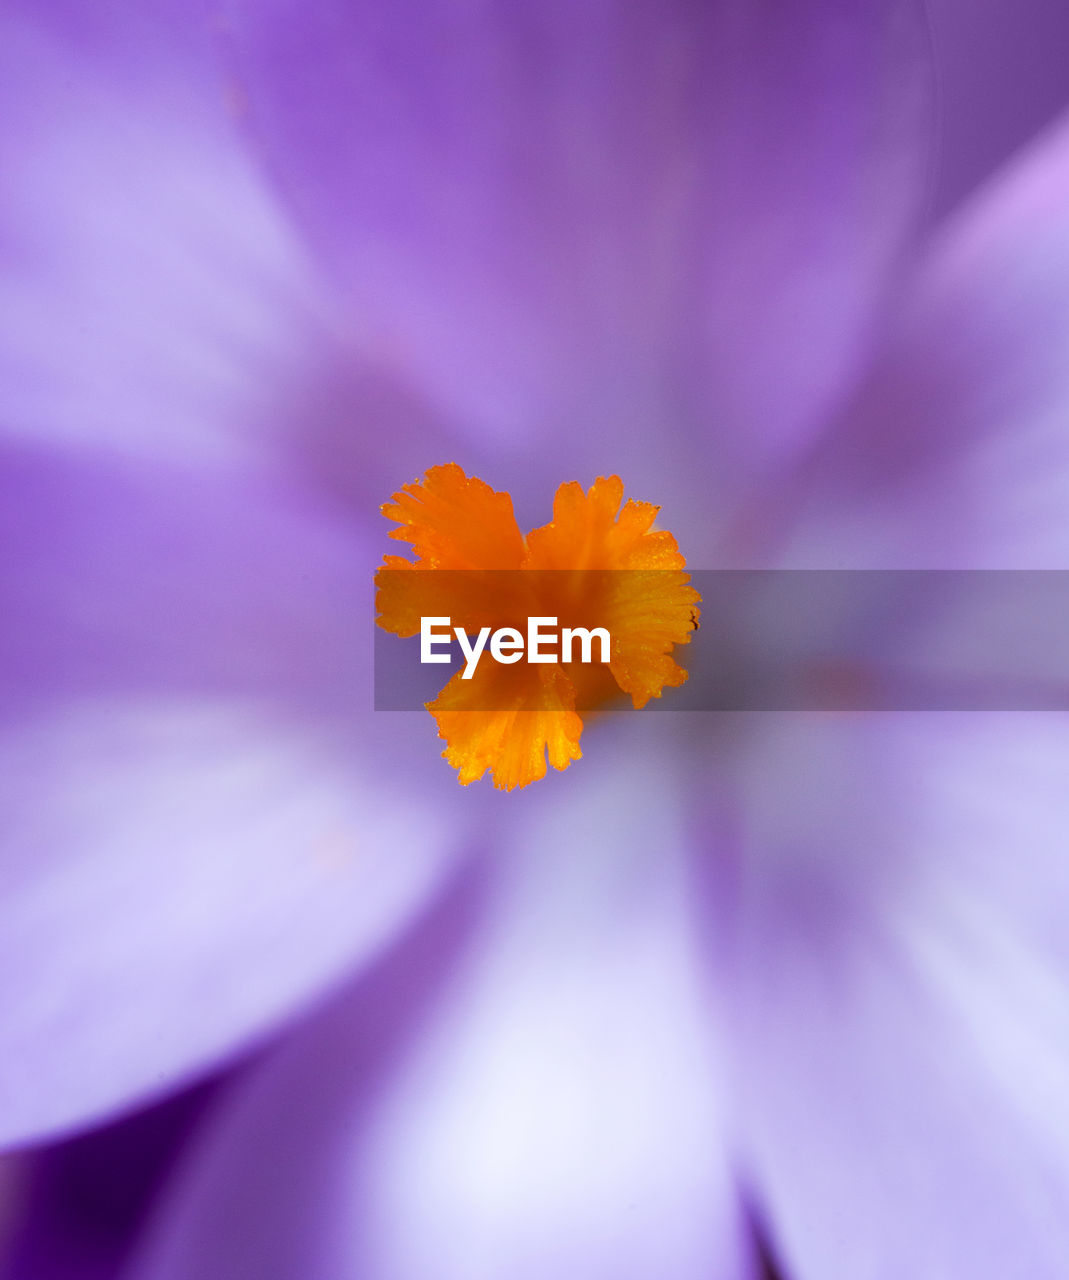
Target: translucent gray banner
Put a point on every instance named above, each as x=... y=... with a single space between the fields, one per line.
x=772 y=640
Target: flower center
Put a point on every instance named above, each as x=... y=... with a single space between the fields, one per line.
x=597 y=566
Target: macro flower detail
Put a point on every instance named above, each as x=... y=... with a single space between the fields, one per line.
x=782 y=993
x=597 y=563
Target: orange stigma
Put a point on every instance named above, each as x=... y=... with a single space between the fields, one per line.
x=596 y=564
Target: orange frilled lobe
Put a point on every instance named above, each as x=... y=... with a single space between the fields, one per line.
x=596 y=563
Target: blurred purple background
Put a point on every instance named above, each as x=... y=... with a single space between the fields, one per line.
x=726 y=999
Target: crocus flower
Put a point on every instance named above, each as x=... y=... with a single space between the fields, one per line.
x=805 y=973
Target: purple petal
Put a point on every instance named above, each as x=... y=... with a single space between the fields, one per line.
x=12 y=1198
x=900 y=988
x=1003 y=75
x=167 y=309
x=203 y=828
x=125 y=578
x=533 y=1094
x=82 y=1202
x=155 y=307
x=954 y=452
x=599 y=222
x=190 y=872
